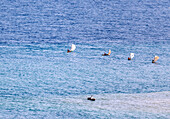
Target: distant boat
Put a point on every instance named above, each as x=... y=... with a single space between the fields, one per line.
x=105 y=54
x=131 y=56
x=73 y=47
x=91 y=98
x=155 y=59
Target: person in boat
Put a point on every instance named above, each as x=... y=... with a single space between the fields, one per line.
x=105 y=54
x=91 y=98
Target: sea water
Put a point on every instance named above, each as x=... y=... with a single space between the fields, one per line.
x=39 y=79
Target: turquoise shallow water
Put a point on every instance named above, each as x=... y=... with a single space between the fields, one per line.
x=39 y=79
x=43 y=81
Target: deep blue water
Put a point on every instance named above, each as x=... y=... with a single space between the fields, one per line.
x=39 y=79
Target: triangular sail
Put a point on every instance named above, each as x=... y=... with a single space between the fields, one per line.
x=73 y=47
x=131 y=55
x=156 y=58
x=109 y=52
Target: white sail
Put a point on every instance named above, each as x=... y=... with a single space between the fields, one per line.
x=73 y=47
x=131 y=55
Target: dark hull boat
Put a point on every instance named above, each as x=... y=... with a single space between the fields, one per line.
x=91 y=98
